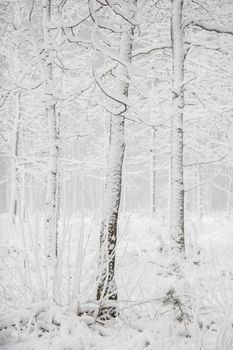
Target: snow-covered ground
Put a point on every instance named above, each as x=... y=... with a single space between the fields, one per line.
x=159 y=309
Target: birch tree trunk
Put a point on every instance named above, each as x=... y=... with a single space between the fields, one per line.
x=15 y=170
x=199 y=195
x=153 y=155
x=177 y=183
x=107 y=288
x=153 y=174
x=229 y=192
x=52 y=179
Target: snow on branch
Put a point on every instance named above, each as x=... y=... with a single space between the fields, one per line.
x=70 y=25
x=211 y=27
x=205 y=182
x=76 y=94
x=120 y=13
x=112 y=94
x=205 y=162
x=108 y=52
x=149 y=50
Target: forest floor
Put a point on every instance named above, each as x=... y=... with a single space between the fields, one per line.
x=159 y=309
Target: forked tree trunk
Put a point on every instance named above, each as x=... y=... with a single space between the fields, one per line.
x=107 y=288
x=177 y=182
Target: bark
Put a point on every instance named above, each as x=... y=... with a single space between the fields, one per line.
x=153 y=155
x=52 y=179
x=199 y=195
x=15 y=170
x=107 y=288
x=153 y=175
x=229 y=193
x=177 y=183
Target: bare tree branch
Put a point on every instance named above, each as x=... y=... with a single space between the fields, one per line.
x=210 y=27
x=205 y=162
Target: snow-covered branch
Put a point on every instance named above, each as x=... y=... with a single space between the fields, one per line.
x=211 y=27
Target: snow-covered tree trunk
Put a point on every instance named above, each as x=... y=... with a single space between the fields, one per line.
x=177 y=184
x=153 y=154
x=229 y=192
x=153 y=173
x=107 y=288
x=52 y=179
x=15 y=170
x=199 y=195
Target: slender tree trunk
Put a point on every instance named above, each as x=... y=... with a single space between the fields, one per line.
x=107 y=288
x=199 y=196
x=153 y=154
x=153 y=174
x=52 y=179
x=15 y=170
x=229 y=193
x=23 y=189
x=124 y=191
x=177 y=183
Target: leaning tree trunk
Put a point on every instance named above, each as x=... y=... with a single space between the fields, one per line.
x=107 y=288
x=52 y=199
x=177 y=183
